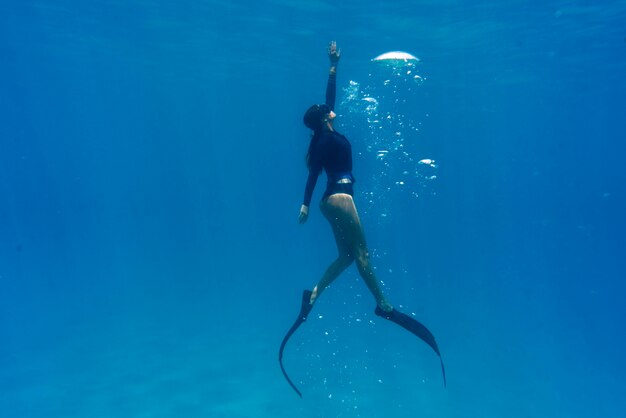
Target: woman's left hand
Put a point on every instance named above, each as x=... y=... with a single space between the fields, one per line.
x=304 y=214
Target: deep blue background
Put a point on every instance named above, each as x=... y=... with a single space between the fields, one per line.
x=151 y=172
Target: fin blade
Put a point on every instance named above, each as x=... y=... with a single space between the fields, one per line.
x=302 y=316
x=416 y=328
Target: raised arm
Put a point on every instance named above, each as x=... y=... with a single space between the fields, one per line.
x=315 y=166
x=331 y=87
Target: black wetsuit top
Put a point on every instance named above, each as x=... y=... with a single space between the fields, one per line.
x=332 y=152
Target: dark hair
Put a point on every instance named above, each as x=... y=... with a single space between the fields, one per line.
x=314 y=120
x=314 y=116
x=307 y=159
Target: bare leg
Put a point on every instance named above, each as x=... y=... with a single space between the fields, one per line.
x=344 y=258
x=340 y=211
x=332 y=272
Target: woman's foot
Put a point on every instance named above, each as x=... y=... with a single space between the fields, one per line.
x=313 y=295
x=385 y=306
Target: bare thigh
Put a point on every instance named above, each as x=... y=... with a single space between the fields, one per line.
x=342 y=215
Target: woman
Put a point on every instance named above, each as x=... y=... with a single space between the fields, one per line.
x=331 y=151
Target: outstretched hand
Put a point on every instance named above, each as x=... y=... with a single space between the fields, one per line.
x=333 y=53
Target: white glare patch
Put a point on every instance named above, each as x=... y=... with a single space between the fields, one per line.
x=396 y=56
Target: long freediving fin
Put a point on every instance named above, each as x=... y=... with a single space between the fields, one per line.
x=305 y=308
x=414 y=327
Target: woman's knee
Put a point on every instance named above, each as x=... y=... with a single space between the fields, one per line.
x=362 y=257
x=345 y=259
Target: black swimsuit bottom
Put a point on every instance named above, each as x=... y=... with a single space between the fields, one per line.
x=334 y=188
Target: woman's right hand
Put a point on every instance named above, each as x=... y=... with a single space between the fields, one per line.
x=333 y=53
x=304 y=214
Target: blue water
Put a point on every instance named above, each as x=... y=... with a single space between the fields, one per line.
x=151 y=173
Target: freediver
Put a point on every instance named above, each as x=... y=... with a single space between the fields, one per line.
x=331 y=151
